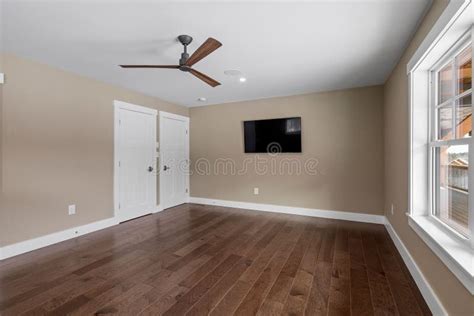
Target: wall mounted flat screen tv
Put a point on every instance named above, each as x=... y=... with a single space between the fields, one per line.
x=273 y=136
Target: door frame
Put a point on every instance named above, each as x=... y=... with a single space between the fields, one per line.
x=162 y=116
x=121 y=105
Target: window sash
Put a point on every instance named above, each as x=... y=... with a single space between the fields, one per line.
x=435 y=142
x=434 y=197
x=463 y=43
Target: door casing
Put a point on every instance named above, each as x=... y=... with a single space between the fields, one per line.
x=120 y=105
x=162 y=116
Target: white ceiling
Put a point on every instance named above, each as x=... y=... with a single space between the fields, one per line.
x=283 y=48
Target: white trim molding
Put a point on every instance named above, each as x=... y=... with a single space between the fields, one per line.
x=158 y=209
x=453 y=10
x=456 y=255
x=162 y=115
x=134 y=107
x=347 y=216
x=54 y=238
x=452 y=28
x=429 y=295
x=118 y=105
x=174 y=116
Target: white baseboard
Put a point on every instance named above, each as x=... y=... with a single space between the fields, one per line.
x=50 y=239
x=158 y=209
x=43 y=241
x=429 y=295
x=348 y=216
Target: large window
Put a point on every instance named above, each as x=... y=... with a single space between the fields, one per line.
x=451 y=111
x=441 y=208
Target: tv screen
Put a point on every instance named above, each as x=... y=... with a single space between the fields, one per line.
x=273 y=136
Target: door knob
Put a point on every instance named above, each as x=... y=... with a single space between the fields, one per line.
x=166 y=168
x=150 y=169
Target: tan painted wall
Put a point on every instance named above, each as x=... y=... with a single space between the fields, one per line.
x=1 y=114
x=342 y=129
x=58 y=148
x=2 y=197
x=450 y=291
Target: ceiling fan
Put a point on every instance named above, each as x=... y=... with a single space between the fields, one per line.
x=186 y=61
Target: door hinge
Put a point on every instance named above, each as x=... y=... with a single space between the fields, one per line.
x=186 y=190
x=119 y=205
x=119 y=163
x=186 y=132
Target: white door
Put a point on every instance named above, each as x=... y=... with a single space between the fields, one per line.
x=135 y=160
x=174 y=153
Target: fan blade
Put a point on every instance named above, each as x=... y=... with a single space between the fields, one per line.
x=205 y=78
x=205 y=49
x=150 y=66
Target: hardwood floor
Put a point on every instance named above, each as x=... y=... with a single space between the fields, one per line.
x=200 y=260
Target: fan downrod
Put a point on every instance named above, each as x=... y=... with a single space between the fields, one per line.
x=185 y=40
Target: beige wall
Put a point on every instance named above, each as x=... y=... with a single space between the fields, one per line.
x=450 y=291
x=58 y=148
x=341 y=129
x=1 y=138
x=2 y=197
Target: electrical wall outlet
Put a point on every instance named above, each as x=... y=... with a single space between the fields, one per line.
x=391 y=209
x=72 y=209
x=2 y=78
x=255 y=191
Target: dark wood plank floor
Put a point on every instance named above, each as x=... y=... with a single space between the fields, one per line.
x=200 y=260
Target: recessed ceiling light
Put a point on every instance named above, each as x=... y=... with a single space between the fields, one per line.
x=242 y=79
x=232 y=72
x=202 y=99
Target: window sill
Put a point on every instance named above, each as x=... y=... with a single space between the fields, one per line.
x=456 y=254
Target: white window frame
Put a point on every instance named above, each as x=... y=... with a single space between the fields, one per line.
x=455 y=250
x=449 y=58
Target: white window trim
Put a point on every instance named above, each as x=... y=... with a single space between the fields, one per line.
x=448 y=58
x=456 y=255
x=453 y=249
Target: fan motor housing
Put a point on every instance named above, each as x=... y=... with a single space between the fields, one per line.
x=185 y=68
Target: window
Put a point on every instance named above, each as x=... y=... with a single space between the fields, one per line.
x=441 y=208
x=451 y=112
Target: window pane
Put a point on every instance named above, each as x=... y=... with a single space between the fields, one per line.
x=445 y=122
x=464 y=62
x=464 y=117
x=445 y=83
x=452 y=186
